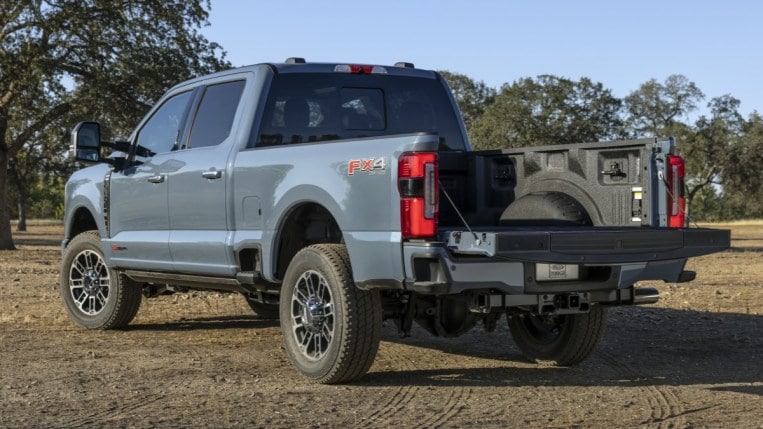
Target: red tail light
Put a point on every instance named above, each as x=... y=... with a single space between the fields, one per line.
x=359 y=69
x=676 y=199
x=418 y=184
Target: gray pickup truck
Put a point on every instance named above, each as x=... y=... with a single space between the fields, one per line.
x=336 y=196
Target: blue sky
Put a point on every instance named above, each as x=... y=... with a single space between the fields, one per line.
x=718 y=45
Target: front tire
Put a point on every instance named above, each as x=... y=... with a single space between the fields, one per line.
x=95 y=296
x=560 y=340
x=331 y=329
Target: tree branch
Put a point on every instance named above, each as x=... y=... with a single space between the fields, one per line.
x=38 y=125
x=6 y=99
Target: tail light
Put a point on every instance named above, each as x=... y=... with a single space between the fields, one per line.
x=359 y=69
x=676 y=198
x=419 y=190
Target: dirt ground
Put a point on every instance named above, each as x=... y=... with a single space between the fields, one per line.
x=203 y=360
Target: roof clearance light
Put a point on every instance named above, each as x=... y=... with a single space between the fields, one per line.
x=359 y=69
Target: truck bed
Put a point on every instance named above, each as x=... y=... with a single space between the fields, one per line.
x=614 y=182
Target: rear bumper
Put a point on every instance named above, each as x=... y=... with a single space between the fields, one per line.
x=505 y=261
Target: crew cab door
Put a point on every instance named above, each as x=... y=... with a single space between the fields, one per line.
x=198 y=206
x=138 y=208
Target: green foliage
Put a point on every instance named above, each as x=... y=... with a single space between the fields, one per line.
x=655 y=107
x=119 y=56
x=743 y=182
x=45 y=199
x=472 y=97
x=709 y=146
x=548 y=110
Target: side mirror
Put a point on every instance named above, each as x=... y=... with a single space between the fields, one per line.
x=86 y=142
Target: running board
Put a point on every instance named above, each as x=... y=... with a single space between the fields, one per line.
x=225 y=284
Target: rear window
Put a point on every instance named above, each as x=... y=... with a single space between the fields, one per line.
x=306 y=108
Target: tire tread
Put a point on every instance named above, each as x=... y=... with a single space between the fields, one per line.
x=361 y=330
x=126 y=295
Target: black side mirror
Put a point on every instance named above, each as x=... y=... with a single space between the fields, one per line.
x=86 y=142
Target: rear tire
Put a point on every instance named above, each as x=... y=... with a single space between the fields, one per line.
x=560 y=340
x=95 y=296
x=331 y=329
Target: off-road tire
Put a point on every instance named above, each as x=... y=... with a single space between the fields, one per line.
x=352 y=316
x=118 y=301
x=559 y=340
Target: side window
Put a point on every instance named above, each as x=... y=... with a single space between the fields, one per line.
x=160 y=133
x=214 y=117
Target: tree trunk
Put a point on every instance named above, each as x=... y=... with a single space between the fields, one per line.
x=22 y=208
x=6 y=239
x=21 y=190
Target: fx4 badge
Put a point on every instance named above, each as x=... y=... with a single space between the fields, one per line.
x=369 y=165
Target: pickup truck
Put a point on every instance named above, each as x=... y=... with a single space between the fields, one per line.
x=337 y=196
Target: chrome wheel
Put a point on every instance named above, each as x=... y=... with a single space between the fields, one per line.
x=95 y=296
x=312 y=315
x=89 y=282
x=331 y=328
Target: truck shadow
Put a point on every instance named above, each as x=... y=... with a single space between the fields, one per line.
x=208 y=323
x=643 y=346
x=36 y=239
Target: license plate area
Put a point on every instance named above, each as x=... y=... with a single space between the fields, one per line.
x=556 y=272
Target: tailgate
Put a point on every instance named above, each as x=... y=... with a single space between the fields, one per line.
x=589 y=245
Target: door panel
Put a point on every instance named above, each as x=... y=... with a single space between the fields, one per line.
x=140 y=216
x=198 y=213
x=199 y=237
x=139 y=211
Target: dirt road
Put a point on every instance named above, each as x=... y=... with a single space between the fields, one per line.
x=203 y=360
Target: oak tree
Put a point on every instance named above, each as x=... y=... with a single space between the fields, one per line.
x=102 y=58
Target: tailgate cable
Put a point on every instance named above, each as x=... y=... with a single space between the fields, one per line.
x=466 y=224
x=458 y=212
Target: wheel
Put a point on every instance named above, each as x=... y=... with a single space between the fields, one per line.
x=561 y=340
x=262 y=310
x=95 y=296
x=331 y=329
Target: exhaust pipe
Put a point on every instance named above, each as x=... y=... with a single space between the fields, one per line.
x=645 y=295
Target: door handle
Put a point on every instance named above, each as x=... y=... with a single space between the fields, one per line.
x=212 y=174
x=156 y=179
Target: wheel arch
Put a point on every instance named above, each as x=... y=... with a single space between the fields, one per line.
x=79 y=220
x=303 y=224
x=569 y=190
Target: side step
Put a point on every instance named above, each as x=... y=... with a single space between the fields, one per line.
x=246 y=282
